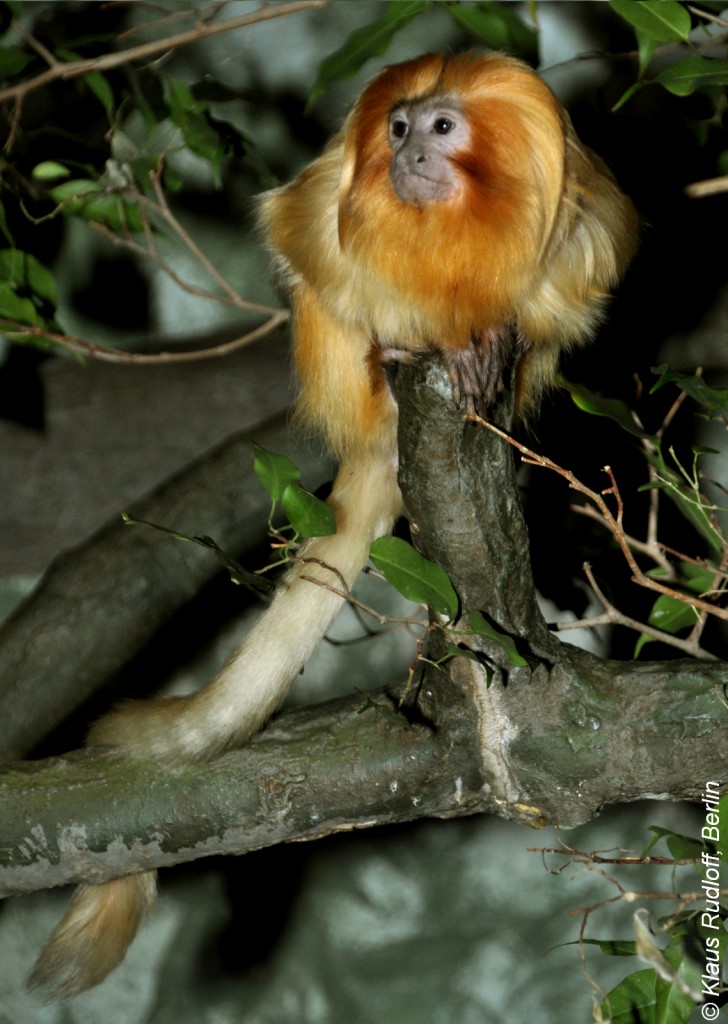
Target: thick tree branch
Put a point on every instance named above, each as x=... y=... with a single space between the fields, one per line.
x=99 y=605
x=610 y=734
x=575 y=732
x=551 y=743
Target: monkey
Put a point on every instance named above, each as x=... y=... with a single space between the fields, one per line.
x=455 y=211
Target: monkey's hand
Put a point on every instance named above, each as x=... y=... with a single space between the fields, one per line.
x=477 y=372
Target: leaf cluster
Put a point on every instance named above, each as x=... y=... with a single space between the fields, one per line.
x=159 y=132
x=668 y=990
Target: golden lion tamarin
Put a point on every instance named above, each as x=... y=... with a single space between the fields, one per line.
x=456 y=210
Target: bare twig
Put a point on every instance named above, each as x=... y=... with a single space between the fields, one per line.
x=613 y=616
x=708 y=187
x=113 y=355
x=612 y=521
x=707 y=16
x=161 y=208
x=151 y=252
x=145 y=51
x=652 y=547
x=197 y=14
x=382 y=618
x=36 y=45
x=700 y=562
x=595 y=857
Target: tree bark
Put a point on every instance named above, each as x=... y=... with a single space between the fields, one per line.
x=552 y=741
x=100 y=604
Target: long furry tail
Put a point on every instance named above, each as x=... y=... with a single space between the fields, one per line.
x=93 y=936
x=102 y=920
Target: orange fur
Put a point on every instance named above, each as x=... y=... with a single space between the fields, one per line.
x=528 y=242
x=536 y=239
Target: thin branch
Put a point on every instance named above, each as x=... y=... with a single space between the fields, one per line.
x=382 y=618
x=36 y=45
x=162 y=208
x=700 y=562
x=200 y=14
x=145 y=51
x=151 y=253
x=708 y=187
x=113 y=355
x=648 y=549
x=652 y=547
x=613 y=616
x=707 y=16
x=614 y=523
x=594 y=857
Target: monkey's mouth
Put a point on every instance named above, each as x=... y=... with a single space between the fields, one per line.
x=418 y=188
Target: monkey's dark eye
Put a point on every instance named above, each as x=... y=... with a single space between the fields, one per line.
x=399 y=129
x=443 y=125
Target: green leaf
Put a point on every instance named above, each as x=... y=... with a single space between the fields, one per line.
x=275 y=472
x=27 y=293
x=698 y=578
x=454 y=651
x=633 y=1000
x=238 y=573
x=670 y=615
x=674 y=485
x=15 y=307
x=90 y=200
x=50 y=170
x=12 y=62
x=308 y=515
x=674 y=1005
x=663 y=20
x=189 y=114
x=681 y=847
x=497 y=25
x=414 y=576
x=23 y=271
x=612 y=947
x=715 y=400
x=101 y=89
x=364 y=43
x=646 y=46
x=627 y=95
x=480 y=625
x=692 y=73
x=598 y=405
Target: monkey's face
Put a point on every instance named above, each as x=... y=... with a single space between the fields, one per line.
x=425 y=137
